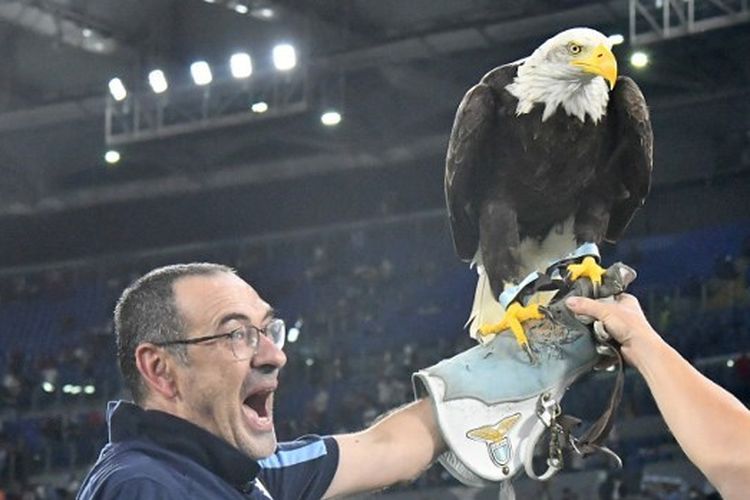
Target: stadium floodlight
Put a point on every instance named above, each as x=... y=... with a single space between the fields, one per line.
x=241 y=65
x=284 y=57
x=112 y=156
x=241 y=8
x=639 y=59
x=117 y=89
x=616 y=39
x=201 y=73
x=48 y=387
x=330 y=118
x=158 y=81
x=264 y=13
x=293 y=335
x=259 y=107
x=295 y=331
x=89 y=389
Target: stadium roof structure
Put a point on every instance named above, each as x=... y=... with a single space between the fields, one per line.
x=395 y=70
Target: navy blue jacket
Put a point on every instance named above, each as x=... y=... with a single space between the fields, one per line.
x=155 y=455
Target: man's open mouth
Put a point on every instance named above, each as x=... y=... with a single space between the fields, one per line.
x=259 y=403
x=257 y=408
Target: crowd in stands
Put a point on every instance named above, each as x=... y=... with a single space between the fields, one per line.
x=368 y=306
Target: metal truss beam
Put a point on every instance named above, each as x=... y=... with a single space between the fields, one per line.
x=285 y=168
x=398 y=52
x=655 y=20
x=147 y=116
x=58 y=20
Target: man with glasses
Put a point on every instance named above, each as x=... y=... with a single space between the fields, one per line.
x=201 y=351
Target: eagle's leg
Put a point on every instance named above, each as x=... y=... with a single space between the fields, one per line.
x=498 y=240
x=591 y=222
x=514 y=316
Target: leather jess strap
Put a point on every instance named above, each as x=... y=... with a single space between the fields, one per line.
x=591 y=440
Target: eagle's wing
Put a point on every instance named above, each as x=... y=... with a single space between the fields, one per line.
x=633 y=152
x=468 y=149
x=487 y=433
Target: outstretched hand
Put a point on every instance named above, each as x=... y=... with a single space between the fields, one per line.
x=686 y=399
x=623 y=319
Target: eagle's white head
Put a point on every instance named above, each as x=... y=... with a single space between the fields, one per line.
x=574 y=69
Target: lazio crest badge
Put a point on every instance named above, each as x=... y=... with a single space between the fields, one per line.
x=495 y=437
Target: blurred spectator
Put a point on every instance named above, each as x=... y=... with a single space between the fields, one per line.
x=354 y=297
x=724 y=268
x=568 y=494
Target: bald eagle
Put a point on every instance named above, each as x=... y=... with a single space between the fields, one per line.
x=546 y=153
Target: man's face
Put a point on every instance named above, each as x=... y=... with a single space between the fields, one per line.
x=229 y=398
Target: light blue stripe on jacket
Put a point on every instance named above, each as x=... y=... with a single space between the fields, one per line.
x=293 y=456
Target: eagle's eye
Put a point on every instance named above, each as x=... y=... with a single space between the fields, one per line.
x=574 y=48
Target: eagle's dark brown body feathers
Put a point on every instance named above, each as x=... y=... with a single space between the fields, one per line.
x=510 y=177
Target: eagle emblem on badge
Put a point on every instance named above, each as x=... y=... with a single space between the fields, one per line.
x=495 y=436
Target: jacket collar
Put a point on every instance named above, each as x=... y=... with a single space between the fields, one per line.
x=128 y=421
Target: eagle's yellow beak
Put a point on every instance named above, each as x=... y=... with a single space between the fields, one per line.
x=601 y=61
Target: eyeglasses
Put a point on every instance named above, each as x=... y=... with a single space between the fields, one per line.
x=244 y=340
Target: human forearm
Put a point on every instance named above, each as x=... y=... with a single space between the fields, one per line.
x=410 y=437
x=711 y=425
x=397 y=448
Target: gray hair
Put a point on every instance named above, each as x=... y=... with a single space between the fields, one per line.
x=147 y=312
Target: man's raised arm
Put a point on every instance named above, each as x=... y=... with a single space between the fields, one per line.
x=397 y=448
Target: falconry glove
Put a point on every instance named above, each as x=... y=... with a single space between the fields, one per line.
x=493 y=402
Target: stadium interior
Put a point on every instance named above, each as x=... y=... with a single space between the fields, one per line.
x=321 y=182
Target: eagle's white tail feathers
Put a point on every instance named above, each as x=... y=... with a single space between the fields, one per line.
x=534 y=256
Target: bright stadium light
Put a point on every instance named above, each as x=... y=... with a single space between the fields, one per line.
x=295 y=331
x=112 y=156
x=241 y=65
x=330 y=118
x=48 y=387
x=639 y=59
x=117 y=89
x=284 y=57
x=616 y=39
x=158 y=81
x=264 y=13
x=201 y=73
x=89 y=389
x=259 y=107
x=241 y=8
x=730 y=363
x=293 y=335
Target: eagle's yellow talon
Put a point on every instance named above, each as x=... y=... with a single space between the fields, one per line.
x=588 y=268
x=514 y=316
